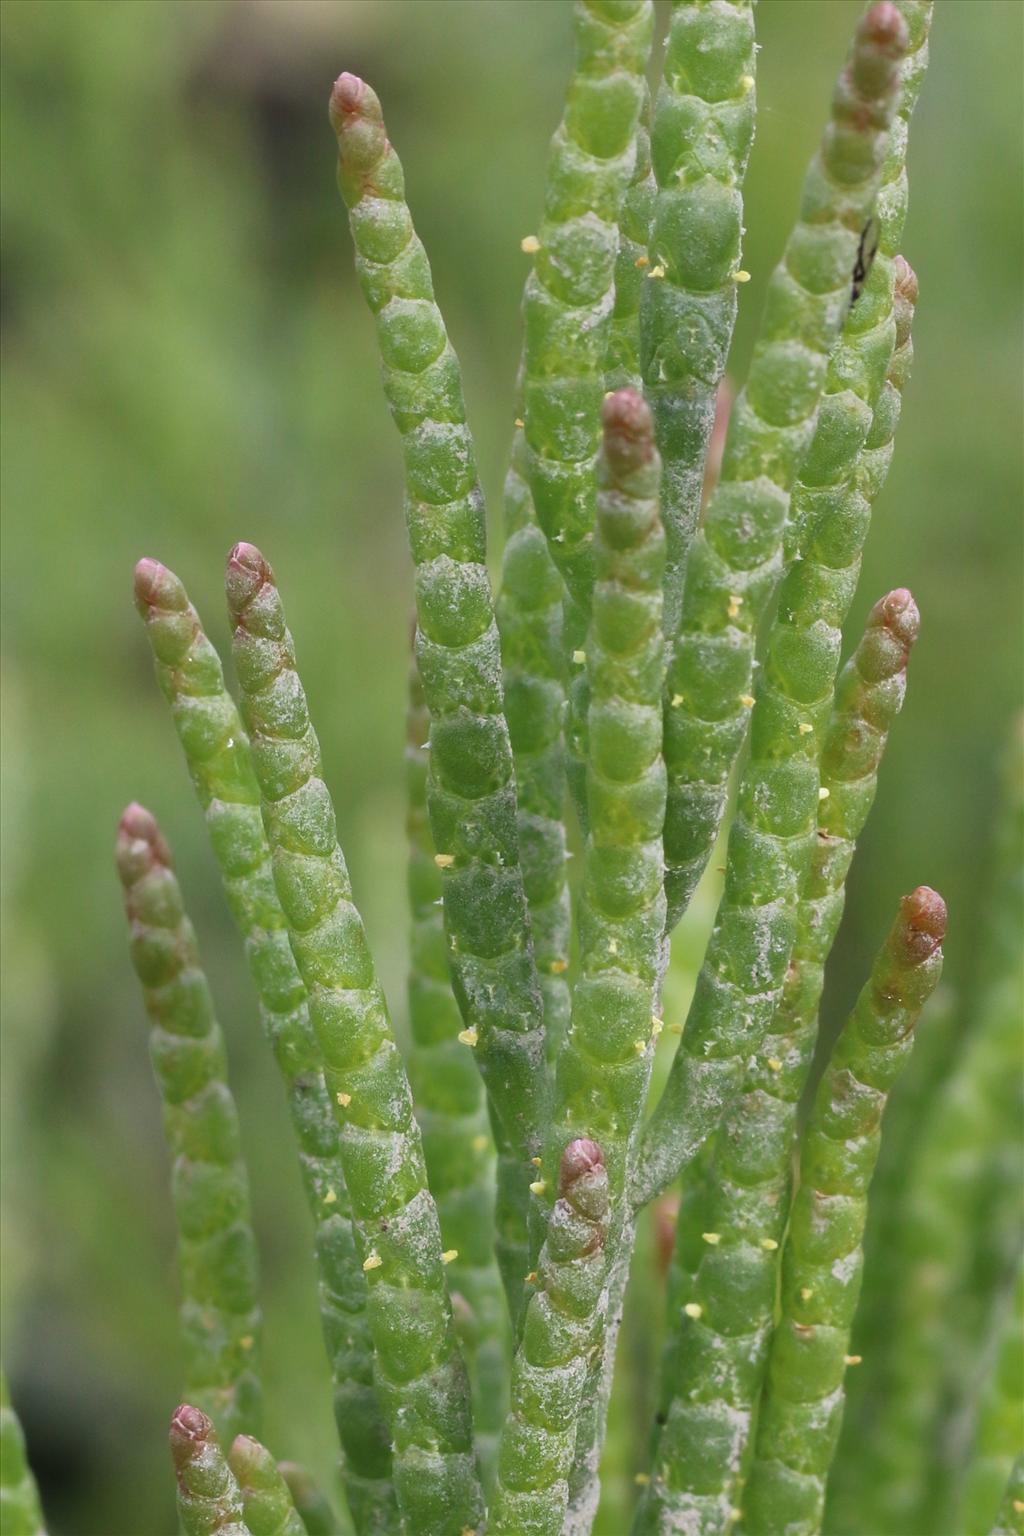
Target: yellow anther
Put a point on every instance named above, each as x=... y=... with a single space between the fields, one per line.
x=1018 y=1505
x=444 y=860
x=657 y=1025
x=747 y=82
x=774 y=1064
x=639 y=1046
x=823 y=793
x=642 y=261
x=805 y=727
x=806 y=1293
x=693 y=1309
x=247 y=1341
x=613 y=946
x=641 y=1479
x=535 y=1162
x=538 y=1186
x=344 y=1099
x=531 y=1278
x=529 y=245
x=658 y=271
x=714 y=1238
x=372 y=1261
x=741 y=276
x=519 y=422
x=769 y=1244
x=330 y=1198
x=449 y=1256
x=735 y=604
x=852 y=1359
x=579 y=657
x=677 y=699
x=468 y=1036
x=479 y=1143
x=747 y=700
x=674 y=1029
x=558 y=967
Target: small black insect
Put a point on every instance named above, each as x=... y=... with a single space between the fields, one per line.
x=867 y=249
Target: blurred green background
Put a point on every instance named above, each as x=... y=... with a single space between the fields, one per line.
x=187 y=361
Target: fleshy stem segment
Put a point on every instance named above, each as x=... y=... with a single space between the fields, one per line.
x=219 y=761
x=802 y=1405
x=702 y=133
x=209 y=1499
x=419 y=1371
x=529 y=616
x=735 y=560
x=562 y=1327
x=604 y=1065
x=569 y=298
x=743 y=1204
x=266 y=1498
x=219 y=1315
x=568 y=306
x=720 y=1335
x=471 y=786
x=605 y=1062
x=315 y=1513
x=772 y=839
x=452 y=1114
x=622 y=366
x=20 y=1510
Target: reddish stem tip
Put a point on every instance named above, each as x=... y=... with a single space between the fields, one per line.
x=247 y=571
x=157 y=587
x=628 y=430
x=923 y=914
x=906 y=287
x=884 y=29
x=579 y=1158
x=352 y=101
x=190 y=1430
x=141 y=845
x=898 y=613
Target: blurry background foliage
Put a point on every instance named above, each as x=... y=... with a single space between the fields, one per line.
x=187 y=362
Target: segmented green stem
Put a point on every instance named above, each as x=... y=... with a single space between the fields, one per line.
x=605 y=1063
x=316 y=1514
x=801 y=1409
x=450 y=1107
x=550 y=1370
x=529 y=615
x=217 y=752
x=771 y=840
x=622 y=367
x=1000 y=1422
x=735 y=561
x=951 y=1238
x=569 y=298
x=470 y=787
x=20 y=1510
x=267 y=1504
x=220 y=1315
x=209 y=1499
x=721 y=1324
x=1010 y=1519
x=419 y=1371
x=703 y=130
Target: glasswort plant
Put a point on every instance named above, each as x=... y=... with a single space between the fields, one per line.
x=477 y=1177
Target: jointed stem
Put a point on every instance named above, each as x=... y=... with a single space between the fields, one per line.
x=419 y=1370
x=220 y=1315
x=220 y=764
